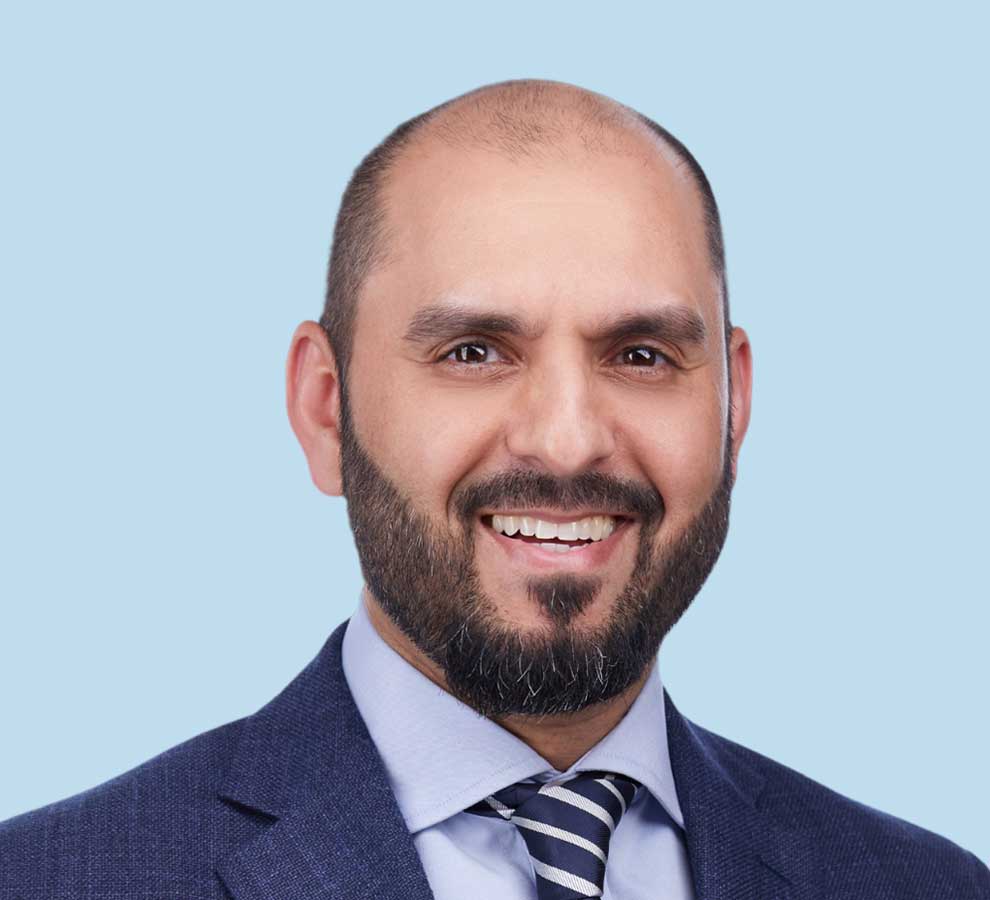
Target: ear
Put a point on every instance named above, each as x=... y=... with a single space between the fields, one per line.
x=312 y=395
x=741 y=364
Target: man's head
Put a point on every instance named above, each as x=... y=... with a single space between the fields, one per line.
x=527 y=329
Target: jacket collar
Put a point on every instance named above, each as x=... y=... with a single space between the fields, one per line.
x=307 y=762
x=737 y=850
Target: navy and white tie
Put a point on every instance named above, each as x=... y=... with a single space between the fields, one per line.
x=567 y=828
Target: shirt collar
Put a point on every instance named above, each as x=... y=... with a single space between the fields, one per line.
x=441 y=756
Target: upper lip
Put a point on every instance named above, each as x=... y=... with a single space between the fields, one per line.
x=557 y=517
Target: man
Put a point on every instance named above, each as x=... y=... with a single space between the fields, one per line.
x=526 y=384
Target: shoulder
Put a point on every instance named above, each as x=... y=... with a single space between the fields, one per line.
x=858 y=845
x=148 y=832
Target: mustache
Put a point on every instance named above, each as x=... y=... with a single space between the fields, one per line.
x=524 y=487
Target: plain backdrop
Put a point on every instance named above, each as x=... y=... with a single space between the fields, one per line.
x=171 y=172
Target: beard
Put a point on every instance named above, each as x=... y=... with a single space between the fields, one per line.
x=425 y=579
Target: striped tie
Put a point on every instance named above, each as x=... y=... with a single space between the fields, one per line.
x=567 y=828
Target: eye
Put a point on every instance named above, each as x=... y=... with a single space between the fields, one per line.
x=471 y=353
x=644 y=357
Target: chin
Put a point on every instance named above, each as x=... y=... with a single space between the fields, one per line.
x=556 y=605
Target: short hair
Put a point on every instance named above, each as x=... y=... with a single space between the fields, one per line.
x=518 y=117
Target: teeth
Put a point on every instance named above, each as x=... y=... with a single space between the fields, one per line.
x=545 y=529
x=505 y=524
x=597 y=528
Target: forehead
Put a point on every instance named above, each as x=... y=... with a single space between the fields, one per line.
x=559 y=237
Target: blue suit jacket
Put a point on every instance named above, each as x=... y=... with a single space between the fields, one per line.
x=293 y=803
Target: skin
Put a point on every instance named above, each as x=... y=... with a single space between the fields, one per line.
x=559 y=243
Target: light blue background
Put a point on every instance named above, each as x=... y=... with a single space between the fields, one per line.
x=171 y=175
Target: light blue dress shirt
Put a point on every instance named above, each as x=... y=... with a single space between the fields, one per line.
x=442 y=757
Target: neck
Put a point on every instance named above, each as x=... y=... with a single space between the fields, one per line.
x=560 y=739
x=563 y=739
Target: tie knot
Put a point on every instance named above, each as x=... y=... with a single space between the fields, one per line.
x=567 y=828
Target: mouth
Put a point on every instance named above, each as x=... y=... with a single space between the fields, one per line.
x=549 y=540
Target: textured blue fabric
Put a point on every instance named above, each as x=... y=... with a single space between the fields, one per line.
x=293 y=803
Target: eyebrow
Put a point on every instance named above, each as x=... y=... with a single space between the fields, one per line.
x=679 y=325
x=675 y=324
x=443 y=320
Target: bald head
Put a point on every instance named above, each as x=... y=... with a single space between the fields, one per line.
x=531 y=122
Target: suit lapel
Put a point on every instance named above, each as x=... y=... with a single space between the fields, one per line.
x=307 y=762
x=736 y=850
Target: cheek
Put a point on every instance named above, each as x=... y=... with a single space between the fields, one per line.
x=681 y=449
x=426 y=440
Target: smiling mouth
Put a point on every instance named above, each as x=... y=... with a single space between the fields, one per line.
x=559 y=536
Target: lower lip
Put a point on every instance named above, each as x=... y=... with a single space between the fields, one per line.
x=585 y=559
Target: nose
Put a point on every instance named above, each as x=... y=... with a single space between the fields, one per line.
x=557 y=423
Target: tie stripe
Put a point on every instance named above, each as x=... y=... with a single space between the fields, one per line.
x=607 y=783
x=562 y=835
x=504 y=811
x=581 y=887
x=566 y=827
x=589 y=806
